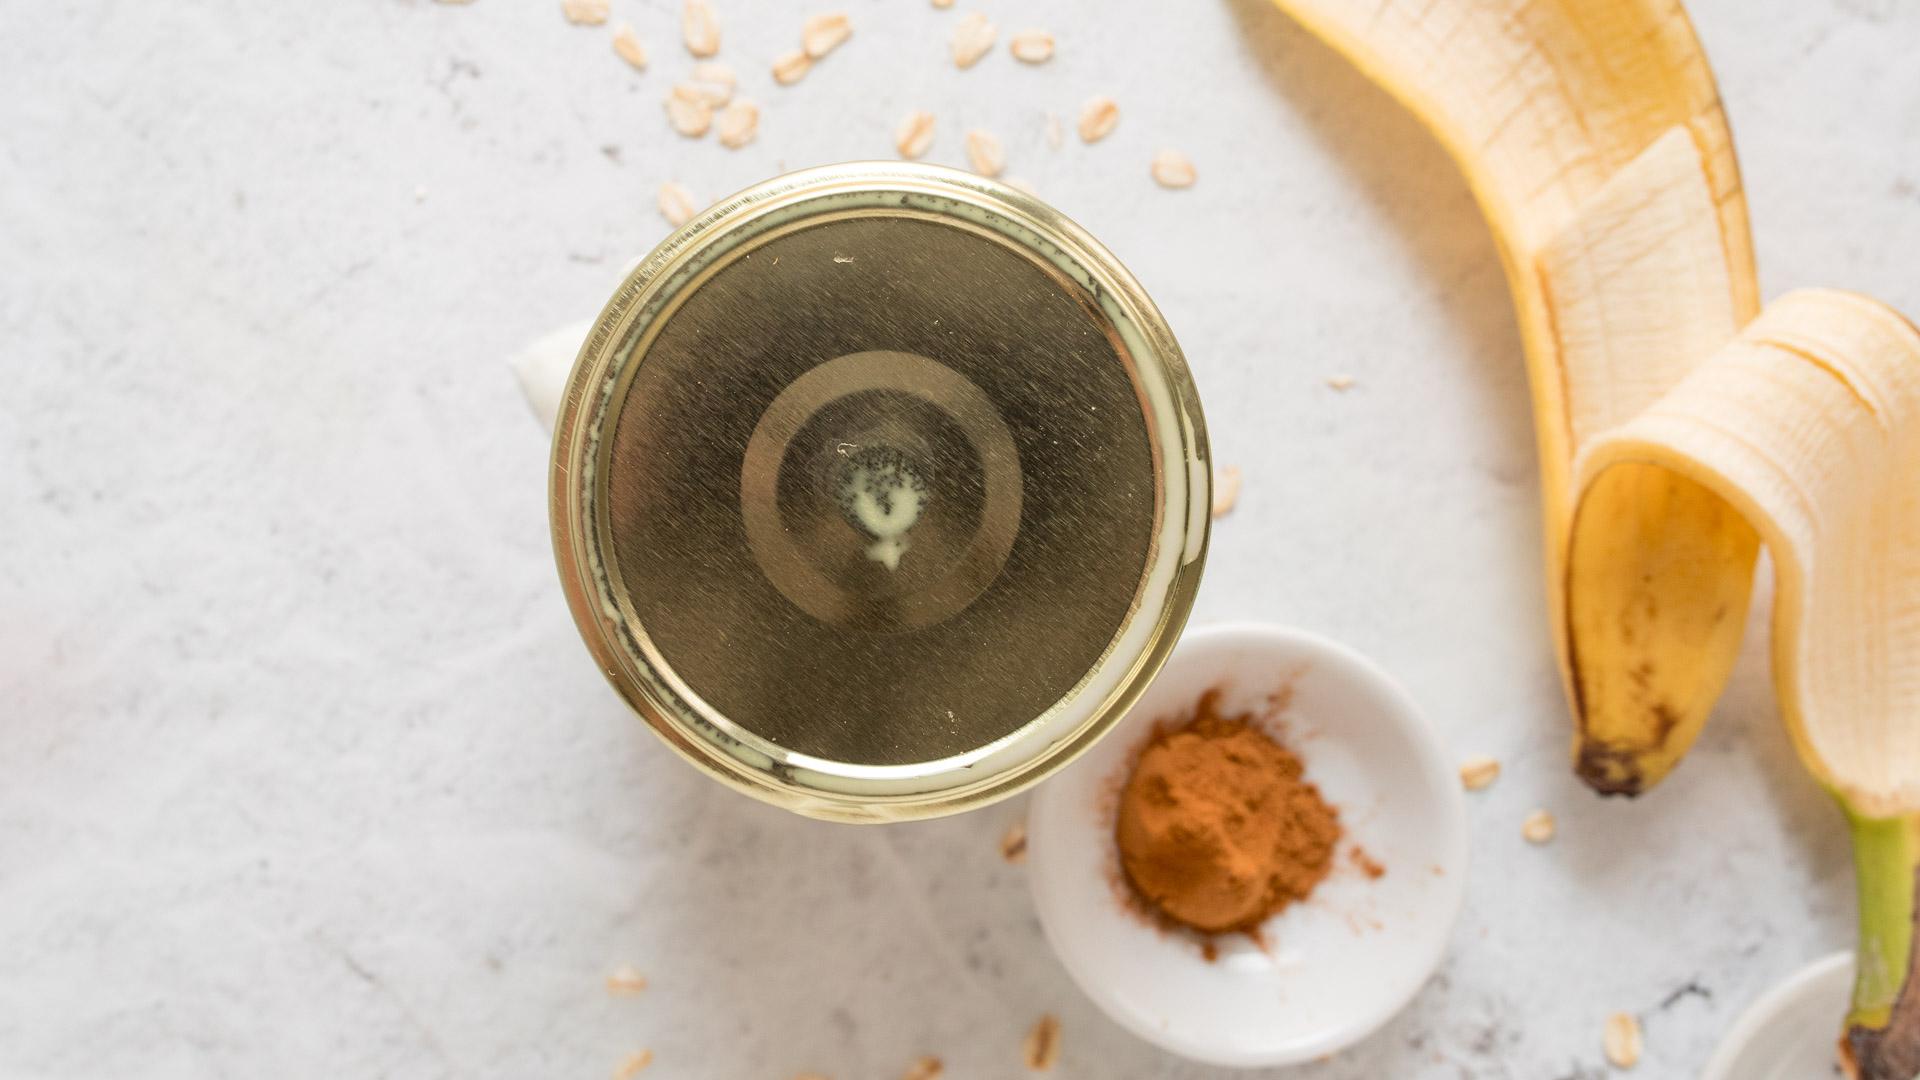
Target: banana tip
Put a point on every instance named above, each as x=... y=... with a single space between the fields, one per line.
x=1610 y=770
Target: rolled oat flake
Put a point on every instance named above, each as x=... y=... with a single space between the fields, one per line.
x=880 y=491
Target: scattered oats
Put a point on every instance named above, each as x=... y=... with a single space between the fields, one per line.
x=420 y=192
x=676 y=204
x=1032 y=46
x=1013 y=844
x=926 y=1068
x=627 y=43
x=584 y=12
x=943 y=3
x=631 y=1067
x=1022 y=186
x=1478 y=772
x=1226 y=490
x=1054 y=135
x=1043 y=1043
x=1171 y=169
x=1622 y=1041
x=714 y=82
x=699 y=28
x=1538 y=828
x=914 y=136
x=821 y=34
x=1097 y=118
x=984 y=151
x=739 y=123
x=625 y=982
x=914 y=133
x=791 y=67
x=456 y=1
x=688 y=111
x=1342 y=383
x=843 y=258
x=972 y=39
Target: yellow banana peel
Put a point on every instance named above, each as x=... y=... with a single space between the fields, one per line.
x=1677 y=432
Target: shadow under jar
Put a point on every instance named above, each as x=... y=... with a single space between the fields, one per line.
x=880 y=491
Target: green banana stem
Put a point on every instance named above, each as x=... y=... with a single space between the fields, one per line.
x=1882 y=1037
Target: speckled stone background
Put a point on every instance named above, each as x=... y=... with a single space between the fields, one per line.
x=303 y=770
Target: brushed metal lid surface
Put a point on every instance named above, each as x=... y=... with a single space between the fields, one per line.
x=879 y=490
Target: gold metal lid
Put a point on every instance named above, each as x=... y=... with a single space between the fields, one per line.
x=880 y=490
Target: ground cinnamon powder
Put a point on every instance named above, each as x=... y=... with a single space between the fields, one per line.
x=1217 y=828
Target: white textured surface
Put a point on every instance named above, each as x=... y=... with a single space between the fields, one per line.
x=303 y=770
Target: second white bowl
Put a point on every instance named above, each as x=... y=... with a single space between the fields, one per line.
x=1791 y=1032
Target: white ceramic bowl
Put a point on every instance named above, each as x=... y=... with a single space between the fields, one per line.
x=1338 y=965
x=1792 y=1032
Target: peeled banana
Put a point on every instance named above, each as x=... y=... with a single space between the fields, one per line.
x=1677 y=432
x=1593 y=137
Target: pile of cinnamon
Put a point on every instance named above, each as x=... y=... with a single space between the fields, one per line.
x=1218 y=829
